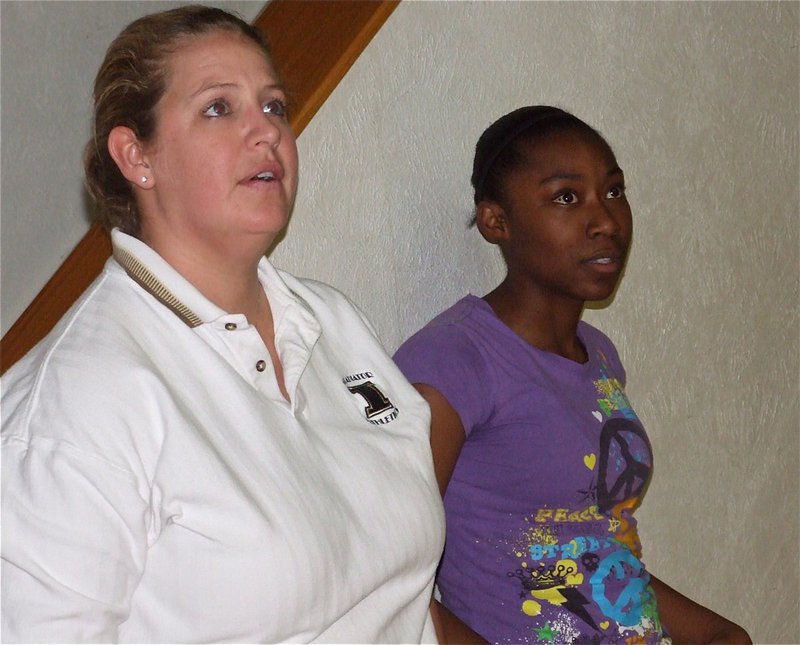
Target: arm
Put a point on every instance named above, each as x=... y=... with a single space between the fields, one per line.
x=449 y=628
x=73 y=544
x=447 y=438
x=689 y=622
x=447 y=434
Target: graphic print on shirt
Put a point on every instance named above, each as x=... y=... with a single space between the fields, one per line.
x=613 y=397
x=379 y=409
x=579 y=576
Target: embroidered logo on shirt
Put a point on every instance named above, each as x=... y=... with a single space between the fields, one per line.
x=379 y=409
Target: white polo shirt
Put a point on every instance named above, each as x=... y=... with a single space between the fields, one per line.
x=157 y=487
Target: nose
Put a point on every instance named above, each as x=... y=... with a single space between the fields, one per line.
x=603 y=220
x=265 y=130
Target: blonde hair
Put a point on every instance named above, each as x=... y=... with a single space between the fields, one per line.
x=129 y=84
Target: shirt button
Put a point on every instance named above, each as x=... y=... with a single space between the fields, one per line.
x=261 y=366
x=230 y=326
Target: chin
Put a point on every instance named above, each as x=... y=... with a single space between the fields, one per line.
x=600 y=296
x=270 y=223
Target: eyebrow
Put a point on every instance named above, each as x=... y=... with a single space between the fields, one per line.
x=616 y=170
x=221 y=86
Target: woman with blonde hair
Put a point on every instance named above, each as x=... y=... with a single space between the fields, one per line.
x=207 y=448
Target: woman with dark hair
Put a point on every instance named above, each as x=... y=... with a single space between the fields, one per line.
x=539 y=456
x=205 y=448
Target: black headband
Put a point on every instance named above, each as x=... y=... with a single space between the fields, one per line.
x=506 y=129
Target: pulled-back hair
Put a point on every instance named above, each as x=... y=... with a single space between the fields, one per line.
x=502 y=146
x=129 y=84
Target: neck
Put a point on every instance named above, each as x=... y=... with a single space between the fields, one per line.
x=228 y=276
x=224 y=271
x=547 y=323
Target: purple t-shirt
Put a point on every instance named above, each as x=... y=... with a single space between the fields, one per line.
x=541 y=540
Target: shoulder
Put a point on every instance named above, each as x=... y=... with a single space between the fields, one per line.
x=449 y=356
x=82 y=387
x=457 y=324
x=600 y=345
x=104 y=332
x=444 y=351
x=467 y=309
x=322 y=299
x=345 y=329
x=447 y=337
x=308 y=287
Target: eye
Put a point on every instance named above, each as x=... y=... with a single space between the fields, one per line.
x=218 y=107
x=616 y=192
x=567 y=198
x=275 y=107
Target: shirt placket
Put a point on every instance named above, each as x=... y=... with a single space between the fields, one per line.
x=249 y=354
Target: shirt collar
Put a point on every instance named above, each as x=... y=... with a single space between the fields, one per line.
x=147 y=268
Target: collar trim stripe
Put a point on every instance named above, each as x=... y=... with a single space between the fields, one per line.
x=145 y=278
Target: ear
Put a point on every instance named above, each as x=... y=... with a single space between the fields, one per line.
x=126 y=151
x=492 y=222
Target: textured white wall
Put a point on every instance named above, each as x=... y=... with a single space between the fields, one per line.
x=701 y=102
x=50 y=54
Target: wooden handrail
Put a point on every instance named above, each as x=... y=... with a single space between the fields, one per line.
x=314 y=43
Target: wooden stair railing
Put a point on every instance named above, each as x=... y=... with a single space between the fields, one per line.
x=313 y=43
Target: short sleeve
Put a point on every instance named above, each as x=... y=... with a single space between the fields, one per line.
x=445 y=358
x=74 y=543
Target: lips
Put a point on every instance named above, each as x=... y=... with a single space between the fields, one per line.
x=265 y=173
x=606 y=256
x=605 y=260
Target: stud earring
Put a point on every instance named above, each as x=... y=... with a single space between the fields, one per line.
x=144 y=179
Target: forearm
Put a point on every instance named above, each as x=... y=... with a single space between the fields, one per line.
x=450 y=628
x=689 y=622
